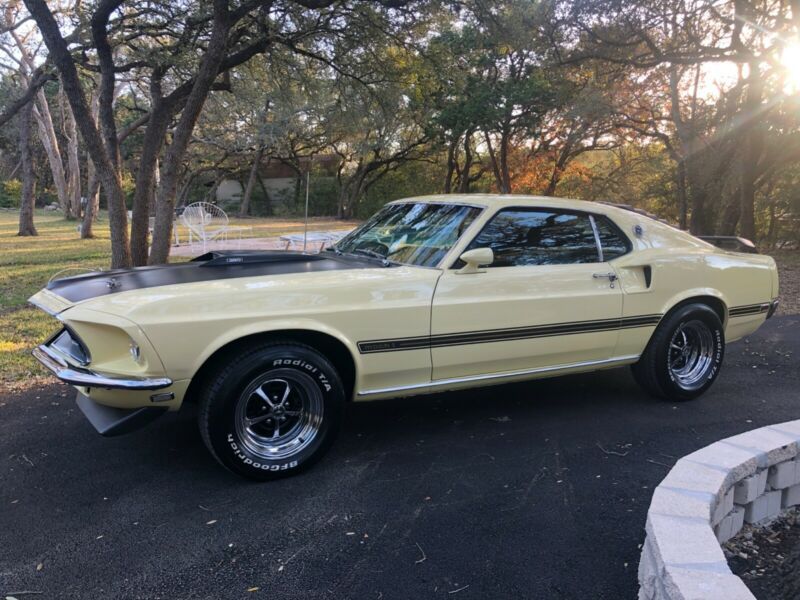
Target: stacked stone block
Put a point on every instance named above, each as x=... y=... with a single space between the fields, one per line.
x=705 y=500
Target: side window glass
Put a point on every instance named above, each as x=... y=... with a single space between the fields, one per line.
x=538 y=237
x=613 y=242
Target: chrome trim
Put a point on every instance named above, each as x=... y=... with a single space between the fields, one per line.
x=773 y=307
x=610 y=276
x=596 y=238
x=84 y=377
x=505 y=375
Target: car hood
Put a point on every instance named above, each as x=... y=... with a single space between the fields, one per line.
x=211 y=266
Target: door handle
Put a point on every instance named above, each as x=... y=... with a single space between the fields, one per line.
x=612 y=277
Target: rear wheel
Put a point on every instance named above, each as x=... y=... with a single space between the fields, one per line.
x=684 y=356
x=271 y=411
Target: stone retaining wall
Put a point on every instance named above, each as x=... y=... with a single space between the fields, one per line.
x=704 y=501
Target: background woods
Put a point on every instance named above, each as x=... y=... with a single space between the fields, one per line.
x=688 y=109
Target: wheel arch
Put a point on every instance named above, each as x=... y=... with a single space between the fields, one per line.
x=327 y=343
x=712 y=299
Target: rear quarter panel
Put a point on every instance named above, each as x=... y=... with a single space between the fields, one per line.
x=683 y=267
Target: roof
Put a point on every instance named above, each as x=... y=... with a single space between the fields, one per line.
x=506 y=200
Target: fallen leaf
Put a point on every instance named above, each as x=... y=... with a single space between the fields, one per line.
x=211 y=522
x=252 y=589
x=39 y=567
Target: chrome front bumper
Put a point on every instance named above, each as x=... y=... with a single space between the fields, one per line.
x=79 y=376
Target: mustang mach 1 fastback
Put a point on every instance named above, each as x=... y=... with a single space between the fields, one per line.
x=433 y=293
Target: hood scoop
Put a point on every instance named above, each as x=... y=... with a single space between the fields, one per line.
x=217 y=258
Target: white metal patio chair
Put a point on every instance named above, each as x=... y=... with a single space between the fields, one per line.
x=205 y=221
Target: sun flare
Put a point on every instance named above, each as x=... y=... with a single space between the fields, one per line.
x=790 y=59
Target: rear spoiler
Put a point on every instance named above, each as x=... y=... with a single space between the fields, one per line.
x=730 y=242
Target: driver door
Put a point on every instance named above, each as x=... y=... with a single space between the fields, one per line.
x=546 y=300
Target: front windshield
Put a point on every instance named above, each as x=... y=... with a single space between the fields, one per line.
x=410 y=233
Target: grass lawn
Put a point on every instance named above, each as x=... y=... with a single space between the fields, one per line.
x=27 y=263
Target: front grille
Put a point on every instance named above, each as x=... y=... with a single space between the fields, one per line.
x=70 y=345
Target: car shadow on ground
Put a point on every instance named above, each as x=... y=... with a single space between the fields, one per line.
x=383 y=426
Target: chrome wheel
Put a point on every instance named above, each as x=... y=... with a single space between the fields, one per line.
x=279 y=414
x=691 y=354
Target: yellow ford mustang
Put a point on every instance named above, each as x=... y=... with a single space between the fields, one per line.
x=431 y=294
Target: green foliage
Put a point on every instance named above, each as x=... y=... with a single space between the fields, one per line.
x=10 y=193
x=411 y=179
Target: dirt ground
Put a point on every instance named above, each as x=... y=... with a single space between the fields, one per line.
x=768 y=558
x=789 y=274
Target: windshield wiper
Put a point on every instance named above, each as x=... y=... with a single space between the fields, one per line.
x=366 y=252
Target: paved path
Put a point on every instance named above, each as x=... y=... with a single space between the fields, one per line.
x=534 y=490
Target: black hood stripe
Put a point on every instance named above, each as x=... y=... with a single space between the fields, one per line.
x=208 y=267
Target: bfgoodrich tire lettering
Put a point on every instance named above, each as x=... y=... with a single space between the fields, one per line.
x=271 y=410
x=684 y=356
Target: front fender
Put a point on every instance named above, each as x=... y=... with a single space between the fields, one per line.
x=245 y=330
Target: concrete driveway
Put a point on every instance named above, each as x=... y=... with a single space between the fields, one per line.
x=534 y=490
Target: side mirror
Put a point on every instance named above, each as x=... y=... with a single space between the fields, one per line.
x=474 y=259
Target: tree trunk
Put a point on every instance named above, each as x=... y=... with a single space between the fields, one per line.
x=498 y=175
x=144 y=193
x=73 y=162
x=267 y=199
x=463 y=186
x=564 y=157
x=690 y=146
x=751 y=154
x=47 y=135
x=505 y=187
x=44 y=120
x=60 y=56
x=92 y=201
x=244 y=209
x=730 y=215
x=168 y=187
x=211 y=194
x=92 y=186
x=451 y=165
x=683 y=201
x=771 y=230
x=28 y=200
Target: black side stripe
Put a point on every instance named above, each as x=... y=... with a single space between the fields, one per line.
x=749 y=309
x=501 y=335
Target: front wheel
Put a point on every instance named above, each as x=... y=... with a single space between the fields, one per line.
x=272 y=411
x=684 y=356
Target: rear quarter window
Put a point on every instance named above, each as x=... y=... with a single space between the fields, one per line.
x=612 y=240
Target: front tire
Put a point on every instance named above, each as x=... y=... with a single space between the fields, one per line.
x=684 y=355
x=272 y=410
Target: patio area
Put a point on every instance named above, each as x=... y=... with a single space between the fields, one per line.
x=316 y=241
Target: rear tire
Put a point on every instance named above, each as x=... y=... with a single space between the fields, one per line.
x=684 y=355
x=272 y=410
